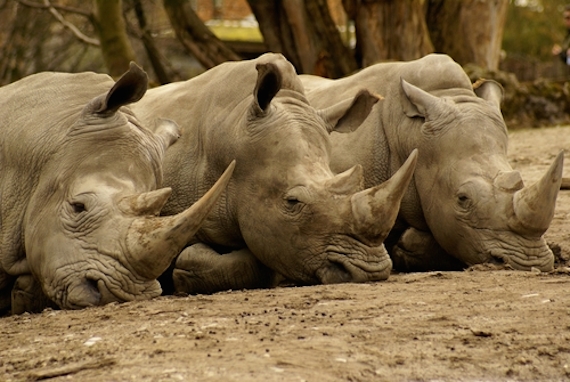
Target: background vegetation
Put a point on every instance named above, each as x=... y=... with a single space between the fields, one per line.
x=533 y=27
x=508 y=40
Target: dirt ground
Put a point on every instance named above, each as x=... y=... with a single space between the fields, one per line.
x=478 y=325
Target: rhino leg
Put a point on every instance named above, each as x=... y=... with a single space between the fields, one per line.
x=28 y=296
x=417 y=251
x=200 y=269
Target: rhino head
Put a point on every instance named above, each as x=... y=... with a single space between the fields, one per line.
x=92 y=230
x=295 y=214
x=476 y=206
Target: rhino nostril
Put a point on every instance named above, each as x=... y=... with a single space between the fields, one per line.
x=84 y=294
x=92 y=284
x=498 y=259
x=333 y=273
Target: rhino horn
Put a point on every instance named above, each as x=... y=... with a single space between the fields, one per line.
x=534 y=205
x=167 y=131
x=153 y=242
x=375 y=209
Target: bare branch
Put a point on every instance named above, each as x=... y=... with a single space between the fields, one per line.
x=64 y=8
x=70 y=26
x=52 y=9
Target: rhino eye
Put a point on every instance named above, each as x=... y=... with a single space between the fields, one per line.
x=293 y=204
x=78 y=207
x=463 y=200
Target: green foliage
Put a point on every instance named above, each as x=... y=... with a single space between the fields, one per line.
x=532 y=27
x=236 y=33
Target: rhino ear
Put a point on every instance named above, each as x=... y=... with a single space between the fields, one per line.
x=490 y=91
x=167 y=131
x=130 y=88
x=348 y=115
x=269 y=80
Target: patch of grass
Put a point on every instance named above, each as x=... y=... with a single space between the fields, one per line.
x=232 y=33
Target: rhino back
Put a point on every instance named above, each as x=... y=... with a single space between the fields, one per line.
x=38 y=110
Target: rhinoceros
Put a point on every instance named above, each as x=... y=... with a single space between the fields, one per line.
x=79 y=199
x=284 y=213
x=466 y=205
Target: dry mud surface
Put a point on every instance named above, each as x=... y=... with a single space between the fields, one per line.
x=478 y=325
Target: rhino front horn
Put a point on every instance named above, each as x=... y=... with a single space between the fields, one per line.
x=153 y=242
x=375 y=209
x=534 y=205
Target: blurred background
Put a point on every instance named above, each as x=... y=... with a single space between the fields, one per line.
x=507 y=40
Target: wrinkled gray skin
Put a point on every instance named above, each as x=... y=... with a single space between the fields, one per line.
x=79 y=204
x=284 y=213
x=465 y=205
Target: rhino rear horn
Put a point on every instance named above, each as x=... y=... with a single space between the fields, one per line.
x=153 y=242
x=375 y=209
x=346 y=182
x=147 y=203
x=534 y=205
x=167 y=131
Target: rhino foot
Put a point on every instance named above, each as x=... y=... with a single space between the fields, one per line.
x=200 y=269
x=417 y=251
x=28 y=296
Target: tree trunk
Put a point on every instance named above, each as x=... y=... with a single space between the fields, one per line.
x=15 y=49
x=23 y=51
x=389 y=29
x=154 y=55
x=115 y=45
x=470 y=31
x=276 y=31
x=335 y=58
x=306 y=34
x=195 y=36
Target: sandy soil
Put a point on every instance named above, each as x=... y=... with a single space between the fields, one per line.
x=464 y=326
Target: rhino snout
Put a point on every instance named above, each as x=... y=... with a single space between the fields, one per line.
x=342 y=268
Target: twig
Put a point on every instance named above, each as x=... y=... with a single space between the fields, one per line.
x=70 y=26
x=69 y=369
x=64 y=8
x=565 y=185
x=52 y=9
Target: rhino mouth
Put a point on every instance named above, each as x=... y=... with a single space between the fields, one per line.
x=342 y=267
x=524 y=257
x=77 y=290
x=523 y=262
